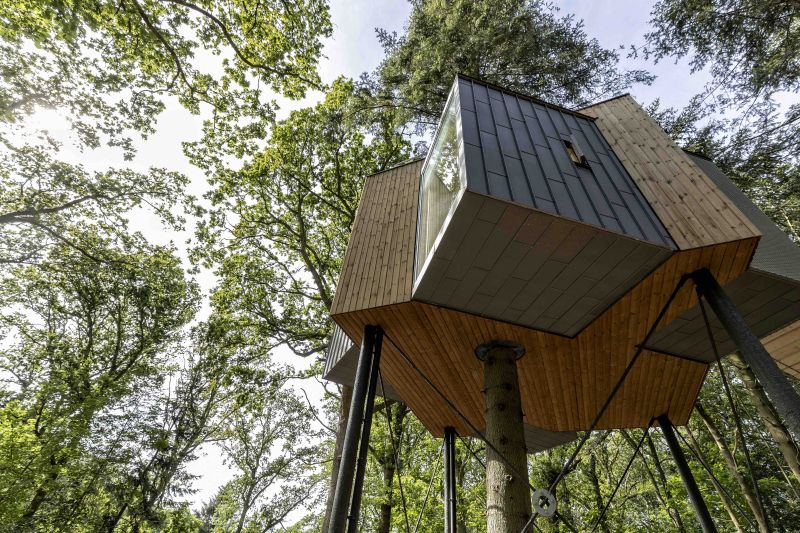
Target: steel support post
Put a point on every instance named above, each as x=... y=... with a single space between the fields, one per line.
x=778 y=388
x=366 y=426
x=449 y=480
x=347 y=465
x=695 y=497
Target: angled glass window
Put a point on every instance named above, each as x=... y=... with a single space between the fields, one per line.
x=441 y=183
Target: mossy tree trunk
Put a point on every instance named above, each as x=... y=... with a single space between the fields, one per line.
x=772 y=421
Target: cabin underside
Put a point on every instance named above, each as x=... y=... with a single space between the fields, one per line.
x=563 y=380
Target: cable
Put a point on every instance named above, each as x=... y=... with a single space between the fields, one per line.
x=477 y=458
x=618 y=386
x=601 y=412
x=394 y=451
x=430 y=484
x=710 y=472
x=592 y=426
x=564 y=521
x=455 y=409
x=734 y=411
x=480 y=435
x=622 y=478
x=469 y=449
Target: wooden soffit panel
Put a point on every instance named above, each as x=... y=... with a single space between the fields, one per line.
x=564 y=381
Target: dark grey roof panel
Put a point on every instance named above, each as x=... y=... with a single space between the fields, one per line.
x=776 y=253
x=514 y=148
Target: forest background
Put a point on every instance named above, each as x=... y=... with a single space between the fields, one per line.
x=177 y=185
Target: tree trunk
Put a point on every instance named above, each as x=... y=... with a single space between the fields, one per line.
x=726 y=501
x=344 y=413
x=666 y=499
x=748 y=491
x=598 y=496
x=508 y=499
x=41 y=493
x=461 y=526
x=772 y=421
x=385 y=524
x=674 y=512
x=387 y=462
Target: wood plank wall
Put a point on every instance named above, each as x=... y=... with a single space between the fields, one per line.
x=563 y=380
x=784 y=347
x=378 y=266
x=695 y=212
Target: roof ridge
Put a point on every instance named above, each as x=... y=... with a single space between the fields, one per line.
x=397 y=165
x=519 y=94
x=607 y=100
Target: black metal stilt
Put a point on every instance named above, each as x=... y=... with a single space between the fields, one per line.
x=778 y=388
x=366 y=426
x=347 y=465
x=449 y=480
x=695 y=497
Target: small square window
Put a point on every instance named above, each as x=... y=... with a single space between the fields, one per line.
x=574 y=154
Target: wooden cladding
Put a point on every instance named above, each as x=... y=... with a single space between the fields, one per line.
x=784 y=347
x=695 y=212
x=378 y=266
x=563 y=381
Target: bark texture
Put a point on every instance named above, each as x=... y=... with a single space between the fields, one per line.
x=508 y=498
x=766 y=410
x=748 y=491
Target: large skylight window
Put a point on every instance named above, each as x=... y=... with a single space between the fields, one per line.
x=441 y=183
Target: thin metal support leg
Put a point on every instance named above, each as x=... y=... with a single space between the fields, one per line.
x=366 y=426
x=695 y=497
x=449 y=480
x=778 y=388
x=344 y=483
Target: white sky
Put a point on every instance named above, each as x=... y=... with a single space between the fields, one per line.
x=352 y=50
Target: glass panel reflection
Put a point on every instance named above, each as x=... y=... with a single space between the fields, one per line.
x=441 y=183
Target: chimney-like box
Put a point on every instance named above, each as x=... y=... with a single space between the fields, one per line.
x=527 y=216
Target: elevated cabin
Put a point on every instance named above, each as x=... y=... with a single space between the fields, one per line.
x=565 y=231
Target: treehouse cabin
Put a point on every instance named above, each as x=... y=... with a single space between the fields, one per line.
x=565 y=232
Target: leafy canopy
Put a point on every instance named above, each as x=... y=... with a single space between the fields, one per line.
x=109 y=67
x=78 y=341
x=279 y=226
x=521 y=45
x=752 y=47
x=111 y=61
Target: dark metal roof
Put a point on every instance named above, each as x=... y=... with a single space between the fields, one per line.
x=515 y=148
x=506 y=90
x=776 y=253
